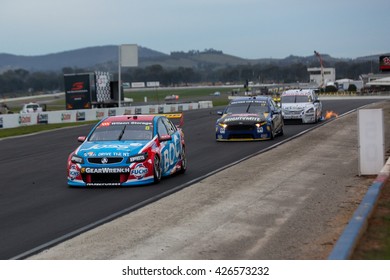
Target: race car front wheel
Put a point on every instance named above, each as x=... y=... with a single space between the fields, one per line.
x=157 y=169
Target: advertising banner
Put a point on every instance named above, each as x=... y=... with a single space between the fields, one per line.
x=384 y=63
x=103 y=89
x=129 y=55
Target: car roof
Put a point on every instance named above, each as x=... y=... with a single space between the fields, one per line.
x=253 y=99
x=298 y=92
x=126 y=118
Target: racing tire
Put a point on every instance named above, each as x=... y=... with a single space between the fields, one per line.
x=183 y=161
x=272 y=133
x=281 y=132
x=157 y=171
x=321 y=117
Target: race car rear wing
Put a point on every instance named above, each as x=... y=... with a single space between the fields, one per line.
x=176 y=118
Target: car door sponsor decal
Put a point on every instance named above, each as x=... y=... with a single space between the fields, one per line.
x=171 y=153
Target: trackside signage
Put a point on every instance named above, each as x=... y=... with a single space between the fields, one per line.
x=16 y=120
x=384 y=63
x=371 y=141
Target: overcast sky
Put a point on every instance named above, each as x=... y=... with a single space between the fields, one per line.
x=244 y=28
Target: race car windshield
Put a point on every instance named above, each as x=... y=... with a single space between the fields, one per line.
x=295 y=99
x=122 y=132
x=252 y=108
x=34 y=107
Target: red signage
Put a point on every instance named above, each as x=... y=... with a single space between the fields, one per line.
x=384 y=63
x=78 y=86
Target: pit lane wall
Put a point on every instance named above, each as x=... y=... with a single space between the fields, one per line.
x=17 y=120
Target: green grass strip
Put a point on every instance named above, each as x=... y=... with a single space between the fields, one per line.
x=28 y=129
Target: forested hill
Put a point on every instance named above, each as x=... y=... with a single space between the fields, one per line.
x=106 y=58
x=80 y=58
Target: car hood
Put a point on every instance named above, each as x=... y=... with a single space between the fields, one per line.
x=296 y=106
x=106 y=148
x=243 y=118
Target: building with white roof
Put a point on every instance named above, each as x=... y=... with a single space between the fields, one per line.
x=316 y=76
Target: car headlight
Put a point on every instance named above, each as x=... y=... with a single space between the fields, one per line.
x=138 y=158
x=311 y=110
x=77 y=159
x=260 y=124
x=223 y=125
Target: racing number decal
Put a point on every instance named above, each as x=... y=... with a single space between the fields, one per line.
x=171 y=153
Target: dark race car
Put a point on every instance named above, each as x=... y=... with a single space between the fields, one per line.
x=127 y=150
x=249 y=119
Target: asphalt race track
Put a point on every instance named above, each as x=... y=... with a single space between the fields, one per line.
x=37 y=207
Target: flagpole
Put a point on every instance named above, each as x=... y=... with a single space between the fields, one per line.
x=119 y=75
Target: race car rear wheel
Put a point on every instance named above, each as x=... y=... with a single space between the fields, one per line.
x=183 y=161
x=157 y=172
x=272 y=133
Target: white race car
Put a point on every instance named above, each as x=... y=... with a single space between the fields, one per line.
x=31 y=108
x=301 y=104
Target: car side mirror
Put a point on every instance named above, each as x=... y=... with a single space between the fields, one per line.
x=220 y=113
x=81 y=138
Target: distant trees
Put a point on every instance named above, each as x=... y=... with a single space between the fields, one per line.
x=330 y=88
x=352 y=87
x=181 y=54
x=353 y=70
x=268 y=73
x=20 y=81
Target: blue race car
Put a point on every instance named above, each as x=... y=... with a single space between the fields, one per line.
x=249 y=119
x=128 y=150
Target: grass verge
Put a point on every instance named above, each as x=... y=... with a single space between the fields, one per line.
x=375 y=242
x=159 y=95
x=23 y=130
